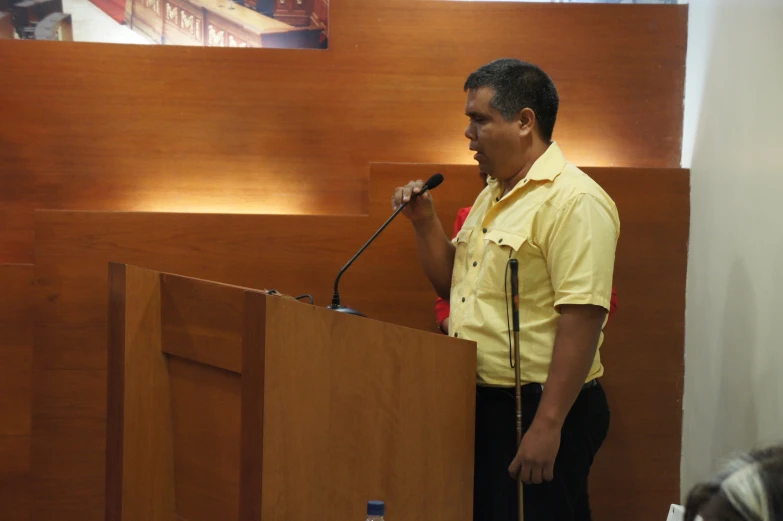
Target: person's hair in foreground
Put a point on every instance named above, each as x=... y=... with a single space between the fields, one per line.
x=748 y=488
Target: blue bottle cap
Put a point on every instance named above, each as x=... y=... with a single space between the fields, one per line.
x=375 y=508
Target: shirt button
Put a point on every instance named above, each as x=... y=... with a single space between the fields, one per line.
x=463 y=299
x=456 y=335
x=500 y=240
x=497 y=199
x=485 y=230
x=475 y=264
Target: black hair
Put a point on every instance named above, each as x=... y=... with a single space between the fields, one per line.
x=519 y=85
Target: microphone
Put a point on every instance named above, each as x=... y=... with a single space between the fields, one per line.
x=432 y=182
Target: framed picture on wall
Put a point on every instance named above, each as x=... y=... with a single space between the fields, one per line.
x=287 y=24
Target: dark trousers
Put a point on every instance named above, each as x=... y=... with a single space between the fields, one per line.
x=562 y=499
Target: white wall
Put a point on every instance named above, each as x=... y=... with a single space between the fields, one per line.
x=734 y=318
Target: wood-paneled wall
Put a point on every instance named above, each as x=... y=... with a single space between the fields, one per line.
x=161 y=128
x=301 y=254
x=16 y=359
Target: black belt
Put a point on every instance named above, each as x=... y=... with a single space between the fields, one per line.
x=536 y=388
x=531 y=389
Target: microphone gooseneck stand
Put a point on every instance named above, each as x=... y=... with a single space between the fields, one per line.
x=431 y=183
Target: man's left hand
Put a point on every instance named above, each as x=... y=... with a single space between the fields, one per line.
x=535 y=459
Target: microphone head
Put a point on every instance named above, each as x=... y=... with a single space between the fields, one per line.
x=434 y=181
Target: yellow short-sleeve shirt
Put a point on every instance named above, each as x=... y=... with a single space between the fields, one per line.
x=562 y=228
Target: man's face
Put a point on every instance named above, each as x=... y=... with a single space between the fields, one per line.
x=499 y=144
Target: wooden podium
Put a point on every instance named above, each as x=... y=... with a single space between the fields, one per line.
x=225 y=403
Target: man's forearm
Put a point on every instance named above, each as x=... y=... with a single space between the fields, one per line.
x=436 y=254
x=576 y=342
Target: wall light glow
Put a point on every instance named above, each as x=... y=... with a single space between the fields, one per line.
x=291 y=204
x=229 y=196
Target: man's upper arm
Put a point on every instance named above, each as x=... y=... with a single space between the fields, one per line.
x=580 y=249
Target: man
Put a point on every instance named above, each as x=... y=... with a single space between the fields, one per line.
x=563 y=229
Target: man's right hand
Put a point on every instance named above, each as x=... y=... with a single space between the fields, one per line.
x=436 y=252
x=420 y=209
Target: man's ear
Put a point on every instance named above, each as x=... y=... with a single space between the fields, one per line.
x=526 y=121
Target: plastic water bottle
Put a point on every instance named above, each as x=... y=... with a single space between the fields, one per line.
x=375 y=510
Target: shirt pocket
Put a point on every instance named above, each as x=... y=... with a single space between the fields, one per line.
x=461 y=242
x=499 y=247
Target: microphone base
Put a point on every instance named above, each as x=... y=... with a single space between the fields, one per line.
x=347 y=310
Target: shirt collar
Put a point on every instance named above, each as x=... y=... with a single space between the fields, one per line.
x=549 y=165
x=546 y=168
